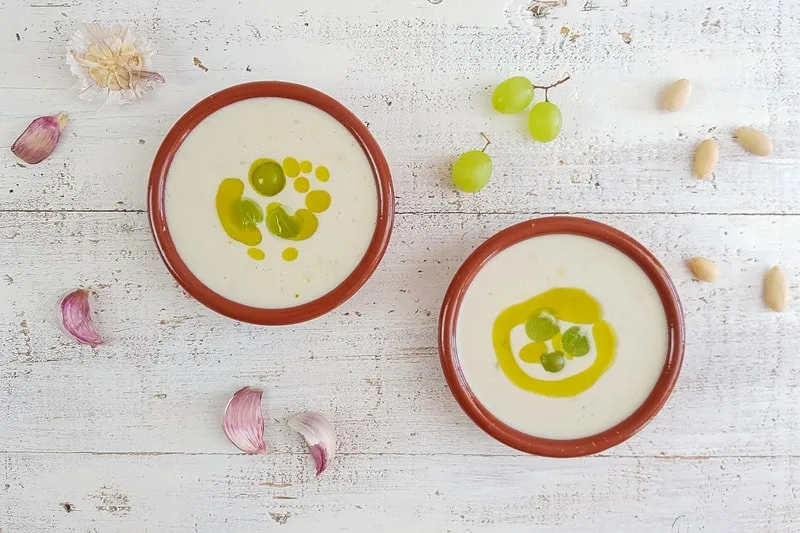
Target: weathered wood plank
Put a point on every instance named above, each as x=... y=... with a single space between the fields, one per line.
x=163 y=380
x=421 y=78
x=393 y=493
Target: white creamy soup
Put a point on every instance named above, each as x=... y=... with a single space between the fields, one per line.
x=561 y=336
x=271 y=202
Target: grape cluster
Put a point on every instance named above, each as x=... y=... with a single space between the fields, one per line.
x=472 y=171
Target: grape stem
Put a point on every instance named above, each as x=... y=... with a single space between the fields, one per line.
x=488 y=142
x=547 y=88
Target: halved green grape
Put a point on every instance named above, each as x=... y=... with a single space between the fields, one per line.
x=231 y=212
x=282 y=224
x=540 y=327
x=513 y=95
x=553 y=361
x=267 y=177
x=544 y=122
x=472 y=171
x=574 y=342
x=246 y=214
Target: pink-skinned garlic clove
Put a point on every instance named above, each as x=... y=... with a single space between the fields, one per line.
x=243 y=422
x=76 y=318
x=40 y=138
x=319 y=435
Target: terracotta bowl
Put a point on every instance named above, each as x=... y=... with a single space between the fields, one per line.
x=548 y=447
x=217 y=302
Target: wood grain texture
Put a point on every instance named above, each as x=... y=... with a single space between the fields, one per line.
x=421 y=75
x=126 y=437
x=372 y=364
x=434 y=494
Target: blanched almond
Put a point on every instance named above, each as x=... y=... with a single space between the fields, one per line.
x=754 y=141
x=776 y=290
x=675 y=97
x=704 y=269
x=706 y=158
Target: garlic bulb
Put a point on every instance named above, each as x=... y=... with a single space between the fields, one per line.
x=110 y=62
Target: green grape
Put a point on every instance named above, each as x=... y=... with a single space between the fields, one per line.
x=574 y=342
x=267 y=177
x=553 y=361
x=246 y=214
x=281 y=223
x=544 y=122
x=540 y=328
x=513 y=95
x=471 y=171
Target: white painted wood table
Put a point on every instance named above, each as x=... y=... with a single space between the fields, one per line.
x=126 y=437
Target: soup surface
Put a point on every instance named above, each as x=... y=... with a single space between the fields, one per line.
x=271 y=202
x=561 y=336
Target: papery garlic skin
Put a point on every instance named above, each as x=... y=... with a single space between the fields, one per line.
x=76 y=318
x=110 y=62
x=243 y=422
x=319 y=435
x=40 y=138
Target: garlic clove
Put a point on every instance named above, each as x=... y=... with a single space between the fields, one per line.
x=319 y=436
x=243 y=422
x=40 y=138
x=76 y=318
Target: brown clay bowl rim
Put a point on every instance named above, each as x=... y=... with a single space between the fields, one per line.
x=550 y=447
x=217 y=302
